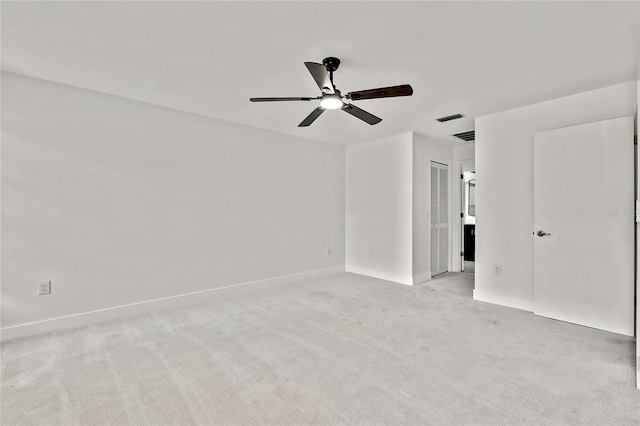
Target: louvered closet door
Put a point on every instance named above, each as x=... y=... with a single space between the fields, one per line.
x=439 y=218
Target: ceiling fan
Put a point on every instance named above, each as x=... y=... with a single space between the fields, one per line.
x=332 y=98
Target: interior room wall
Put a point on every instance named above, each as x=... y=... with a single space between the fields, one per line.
x=464 y=152
x=119 y=202
x=426 y=150
x=387 y=207
x=504 y=166
x=378 y=208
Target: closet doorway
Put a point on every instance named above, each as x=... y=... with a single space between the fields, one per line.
x=439 y=218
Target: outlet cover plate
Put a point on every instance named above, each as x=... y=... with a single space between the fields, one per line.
x=44 y=287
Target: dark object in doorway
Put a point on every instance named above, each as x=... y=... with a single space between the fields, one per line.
x=470 y=243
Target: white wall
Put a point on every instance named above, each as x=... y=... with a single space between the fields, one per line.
x=425 y=151
x=379 y=208
x=118 y=202
x=464 y=152
x=504 y=167
x=387 y=206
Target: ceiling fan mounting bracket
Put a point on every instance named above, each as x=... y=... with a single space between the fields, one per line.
x=331 y=63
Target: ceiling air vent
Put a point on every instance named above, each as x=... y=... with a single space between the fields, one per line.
x=466 y=136
x=449 y=117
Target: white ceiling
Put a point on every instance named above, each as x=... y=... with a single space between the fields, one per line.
x=209 y=58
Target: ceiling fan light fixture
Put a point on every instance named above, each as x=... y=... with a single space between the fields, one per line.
x=331 y=101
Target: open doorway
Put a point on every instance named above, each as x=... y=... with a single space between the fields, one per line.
x=468 y=221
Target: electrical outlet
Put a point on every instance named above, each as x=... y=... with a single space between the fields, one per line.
x=497 y=270
x=44 y=287
x=328 y=252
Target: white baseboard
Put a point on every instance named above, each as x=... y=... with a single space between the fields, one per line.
x=421 y=278
x=69 y=322
x=380 y=275
x=499 y=299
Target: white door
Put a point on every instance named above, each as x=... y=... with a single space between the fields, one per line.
x=439 y=218
x=584 y=201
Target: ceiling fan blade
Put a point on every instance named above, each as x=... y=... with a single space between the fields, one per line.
x=311 y=117
x=280 y=99
x=383 y=92
x=361 y=114
x=321 y=76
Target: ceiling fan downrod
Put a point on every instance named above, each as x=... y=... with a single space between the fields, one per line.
x=331 y=64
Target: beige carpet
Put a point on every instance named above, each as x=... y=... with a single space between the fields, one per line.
x=343 y=349
x=469 y=266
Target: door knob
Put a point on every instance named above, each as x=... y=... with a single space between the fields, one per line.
x=543 y=234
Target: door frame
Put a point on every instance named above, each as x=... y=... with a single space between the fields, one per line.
x=636 y=136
